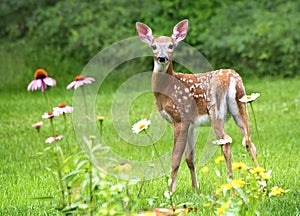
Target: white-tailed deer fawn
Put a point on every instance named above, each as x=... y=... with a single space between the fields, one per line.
x=191 y=100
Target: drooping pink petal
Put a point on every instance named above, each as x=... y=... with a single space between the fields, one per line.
x=71 y=85
x=30 y=86
x=78 y=84
x=50 y=140
x=49 y=81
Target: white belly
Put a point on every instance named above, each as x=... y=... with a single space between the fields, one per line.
x=202 y=120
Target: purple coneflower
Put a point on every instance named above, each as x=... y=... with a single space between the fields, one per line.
x=49 y=115
x=79 y=81
x=62 y=109
x=53 y=138
x=41 y=81
x=38 y=126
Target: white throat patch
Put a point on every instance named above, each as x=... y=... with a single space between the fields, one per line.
x=160 y=68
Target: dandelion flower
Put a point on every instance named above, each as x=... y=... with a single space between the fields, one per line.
x=239 y=165
x=249 y=98
x=207 y=205
x=41 y=81
x=277 y=191
x=49 y=115
x=100 y=118
x=226 y=186
x=62 y=109
x=53 y=138
x=140 y=126
x=257 y=170
x=219 y=159
x=265 y=175
x=80 y=81
x=204 y=169
x=222 y=208
x=238 y=183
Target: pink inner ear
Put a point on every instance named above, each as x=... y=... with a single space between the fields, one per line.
x=144 y=32
x=180 y=31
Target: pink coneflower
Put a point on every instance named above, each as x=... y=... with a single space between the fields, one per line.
x=54 y=138
x=41 y=81
x=79 y=81
x=62 y=109
x=38 y=126
x=49 y=115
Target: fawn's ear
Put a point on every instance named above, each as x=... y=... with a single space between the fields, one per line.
x=144 y=33
x=180 y=31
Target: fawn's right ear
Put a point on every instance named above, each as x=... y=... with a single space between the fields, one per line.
x=144 y=33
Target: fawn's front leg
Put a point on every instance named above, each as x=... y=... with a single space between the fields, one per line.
x=190 y=154
x=180 y=140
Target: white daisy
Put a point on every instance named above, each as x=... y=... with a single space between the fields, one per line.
x=140 y=126
x=249 y=98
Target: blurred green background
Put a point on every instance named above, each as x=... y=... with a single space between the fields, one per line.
x=257 y=38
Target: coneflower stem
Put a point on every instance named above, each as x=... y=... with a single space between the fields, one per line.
x=52 y=126
x=84 y=98
x=47 y=101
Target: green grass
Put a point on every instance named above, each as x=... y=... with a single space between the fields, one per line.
x=24 y=177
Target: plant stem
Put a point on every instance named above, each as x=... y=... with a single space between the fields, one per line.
x=101 y=124
x=91 y=177
x=52 y=126
x=255 y=121
x=91 y=186
x=84 y=98
x=161 y=163
x=156 y=152
x=47 y=101
x=59 y=173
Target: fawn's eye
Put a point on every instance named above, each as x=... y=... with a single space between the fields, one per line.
x=171 y=46
x=154 y=47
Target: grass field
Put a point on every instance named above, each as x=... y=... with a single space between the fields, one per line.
x=24 y=177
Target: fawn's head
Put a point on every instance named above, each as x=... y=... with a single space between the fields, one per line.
x=162 y=46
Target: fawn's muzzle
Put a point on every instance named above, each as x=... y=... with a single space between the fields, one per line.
x=162 y=59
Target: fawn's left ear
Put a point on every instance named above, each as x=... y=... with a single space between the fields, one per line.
x=144 y=33
x=180 y=31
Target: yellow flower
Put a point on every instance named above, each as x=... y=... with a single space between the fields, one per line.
x=239 y=165
x=100 y=118
x=257 y=170
x=219 y=159
x=204 y=169
x=140 y=126
x=276 y=191
x=222 y=208
x=265 y=175
x=226 y=186
x=207 y=205
x=238 y=183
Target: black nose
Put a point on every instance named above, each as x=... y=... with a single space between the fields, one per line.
x=162 y=59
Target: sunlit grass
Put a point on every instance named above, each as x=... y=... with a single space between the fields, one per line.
x=24 y=177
